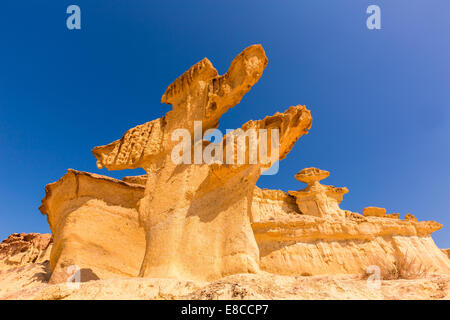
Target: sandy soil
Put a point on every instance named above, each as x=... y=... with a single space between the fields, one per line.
x=30 y=282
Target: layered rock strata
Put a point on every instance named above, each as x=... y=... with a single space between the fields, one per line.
x=23 y=248
x=325 y=239
x=203 y=221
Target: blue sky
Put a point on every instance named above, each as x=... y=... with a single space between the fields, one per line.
x=379 y=99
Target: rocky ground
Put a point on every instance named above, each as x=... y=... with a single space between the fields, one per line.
x=24 y=272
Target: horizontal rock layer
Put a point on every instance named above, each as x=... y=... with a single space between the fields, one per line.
x=272 y=204
x=315 y=246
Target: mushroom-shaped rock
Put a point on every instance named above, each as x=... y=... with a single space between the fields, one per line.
x=311 y=175
x=317 y=199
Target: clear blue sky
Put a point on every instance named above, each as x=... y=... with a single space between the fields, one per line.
x=379 y=99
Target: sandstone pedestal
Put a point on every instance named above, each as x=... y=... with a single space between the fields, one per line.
x=316 y=199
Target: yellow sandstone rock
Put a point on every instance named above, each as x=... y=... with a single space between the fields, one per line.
x=197 y=220
x=316 y=245
x=410 y=217
x=447 y=252
x=374 y=212
x=141 y=180
x=94 y=222
x=20 y=249
x=204 y=221
x=272 y=204
x=316 y=199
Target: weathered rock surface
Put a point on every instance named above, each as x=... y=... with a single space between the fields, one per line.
x=201 y=228
x=272 y=204
x=23 y=282
x=325 y=239
x=410 y=217
x=374 y=212
x=447 y=252
x=393 y=215
x=314 y=245
x=316 y=199
x=23 y=248
x=94 y=221
x=29 y=282
x=24 y=264
x=289 y=242
x=142 y=180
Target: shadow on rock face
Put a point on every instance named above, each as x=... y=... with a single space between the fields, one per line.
x=82 y=275
x=87 y=275
x=43 y=276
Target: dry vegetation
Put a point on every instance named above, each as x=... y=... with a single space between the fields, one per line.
x=404 y=267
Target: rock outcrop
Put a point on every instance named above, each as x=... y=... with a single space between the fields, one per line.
x=316 y=199
x=313 y=245
x=393 y=215
x=325 y=239
x=374 y=212
x=23 y=248
x=272 y=204
x=200 y=221
x=447 y=252
x=410 y=217
x=95 y=224
x=205 y=204
x=141 y=180
x=29 y=280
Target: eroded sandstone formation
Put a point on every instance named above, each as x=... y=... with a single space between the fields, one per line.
x=316 y=199
x=204 y=221
x=447 y=252
x=325 y=239
x=374 y=212
x=205 y=204
x=95 y=225
x=23 y=248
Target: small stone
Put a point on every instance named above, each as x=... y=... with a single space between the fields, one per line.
x=410 y=217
